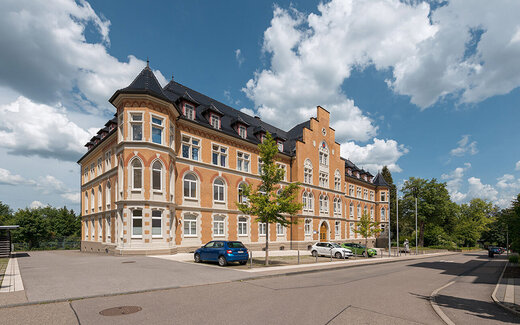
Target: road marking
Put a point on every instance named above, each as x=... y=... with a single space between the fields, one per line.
x=436 y=307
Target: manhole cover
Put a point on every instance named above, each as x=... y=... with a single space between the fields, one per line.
x=128 y=262
x=118 y=311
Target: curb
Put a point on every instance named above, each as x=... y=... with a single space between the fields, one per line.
x=494 y=294
x=436 y=307
x=71 y=299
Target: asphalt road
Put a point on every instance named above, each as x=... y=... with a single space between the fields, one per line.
x=394 y=293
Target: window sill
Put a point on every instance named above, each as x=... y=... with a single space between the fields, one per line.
x=190 y=236
x=157 y=192
x=218 y=235
x=136 y=190
x=157 y=236
x=136 y=237
x=191 y=199
x=246 y=235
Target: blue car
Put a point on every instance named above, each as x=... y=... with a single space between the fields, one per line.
x=222 y=252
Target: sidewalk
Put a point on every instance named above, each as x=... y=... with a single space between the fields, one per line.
x=507 y=290
x=12 y=279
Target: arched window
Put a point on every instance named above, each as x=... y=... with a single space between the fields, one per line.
x=365 y=210
x=359 y=211
x=85 y=204
x=137 y=174
x=337 y=181
x=324 y=154
x=383 y=217
x=108 y=194
x=218 y=190
x=307 y=172
x=100 y=197
x=92 y=196
x=372 y=213
x=241 y=189
x=351 y=212
x=190 y=186
x=308 y=227
x=242 y=226
x=218 y=225
x=304 y=200
x=120 y=179
x=324 y=204
x=310 y=202
x=157 y=171
x=337 y=206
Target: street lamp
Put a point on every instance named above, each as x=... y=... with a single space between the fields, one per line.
x=397 y=218
x=415 y=192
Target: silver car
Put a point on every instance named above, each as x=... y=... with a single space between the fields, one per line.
x=330 y=249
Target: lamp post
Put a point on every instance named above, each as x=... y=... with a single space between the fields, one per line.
x=415 y=191
x=397 y=219
x=389 y=229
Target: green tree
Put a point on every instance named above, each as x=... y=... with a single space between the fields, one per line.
x=387 y=175
x=473 y=220
x=367 y=228
x=6 y=214
x=269 y=202
x=62 y=222
x=33 y=229
x=434 y=204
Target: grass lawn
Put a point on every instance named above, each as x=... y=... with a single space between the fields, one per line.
x=3 y=266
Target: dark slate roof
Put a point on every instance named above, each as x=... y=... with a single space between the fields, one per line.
x=380 y=180
x=212 y=108
x=144 y=83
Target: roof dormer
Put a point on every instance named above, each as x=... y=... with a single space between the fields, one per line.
x=213 y=115
x=240 y=126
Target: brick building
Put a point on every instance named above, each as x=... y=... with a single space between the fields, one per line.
x=164 y=174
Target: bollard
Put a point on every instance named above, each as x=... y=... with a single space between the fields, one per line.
x=298 y=256
x=316 y=257
x=251 y=262
x=331 y=254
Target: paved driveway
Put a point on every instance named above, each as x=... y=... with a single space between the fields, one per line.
x=50 y=275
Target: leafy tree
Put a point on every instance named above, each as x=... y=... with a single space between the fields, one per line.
x=387 y=175
x=473 y=221
x=62 y=222
x=269 y=202
x=367 y=228
x=6 y=214
x=33 y=227
x=434 y=204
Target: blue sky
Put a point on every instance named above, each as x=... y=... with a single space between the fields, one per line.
x=427 y=88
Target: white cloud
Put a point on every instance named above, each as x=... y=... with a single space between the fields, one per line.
x=375 y=155
x=454 y=182
x=36 y=205
x=7 y=178
x=31 y=129
x=464 y=146
x=517 y=166
x=47 y=58
x=238 y=56
x=72 y=197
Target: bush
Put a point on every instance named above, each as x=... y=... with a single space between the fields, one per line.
x=513 y=258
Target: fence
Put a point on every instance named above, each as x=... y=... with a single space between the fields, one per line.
x=57 y=243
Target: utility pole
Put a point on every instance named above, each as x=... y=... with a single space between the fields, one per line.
x=507 y=239
x=416 y=225
x=389 y=229
x=397 y=219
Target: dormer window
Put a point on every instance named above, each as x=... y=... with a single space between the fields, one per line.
x=189 y=111
x=280 y=145
x=215 y=121
x=262 y=137
x=349 y=171
x=242 y=131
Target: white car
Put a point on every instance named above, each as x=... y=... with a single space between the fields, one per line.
x=330 y=249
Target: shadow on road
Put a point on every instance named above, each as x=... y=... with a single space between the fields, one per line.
x=478 y=308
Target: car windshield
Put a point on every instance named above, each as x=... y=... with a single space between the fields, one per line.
x=336 y=245
x=235 y=244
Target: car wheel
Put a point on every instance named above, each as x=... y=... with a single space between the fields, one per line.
x=338 y=255
x=314 y=253
x=243 y=262
x=197 y=258
x=222 y=261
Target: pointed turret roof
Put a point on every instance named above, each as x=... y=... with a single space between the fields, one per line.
x=144 y=83
x=380 y=180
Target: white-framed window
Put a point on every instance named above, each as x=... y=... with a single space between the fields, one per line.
x=243 y=161
x=351 y=210
x=214 y=121
x=241 y=197
x=372 y=213
x=351 y=190
x=383 y=196
x=359 y=211
x=337 y=228
x=219 y=155
x=99 y=166
x=120 y=124
x=260 y=166
x=307 y=227
x=92 y=171
x=371 y=195
x=157 y=175
x=156 y=223
x=365 y=210
x=85 y=175
x=308 y=201
x=351 y=232
x=190 y=225
x=136 y=122
x=190 y=186
x=337 y=181
x=365 y=194
x=100 y=228
x=108 y=160
x=284 y=168
x=100 y=198
x=383 y=227
x=86 y=229
x=324 y=154
x=242 y=226
x=358 y=192
x=190 y=147
x=337 y=206
x=109 y=227
x=157 y=129
x=261 y=228
x=242 y=131
x=92 y=196
x=137 y=174
x=218 y=225
x=280 y=230
x=172 y=135
x=219 y=190
x=137 y=223
x=92 y=228
x=280 y=145
x=324 y=179
x=189 y=111
x=324 y=204
x=383 y=216
x=307 y=171
x=85 y=204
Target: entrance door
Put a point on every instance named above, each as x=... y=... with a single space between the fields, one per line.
x=323 y=232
